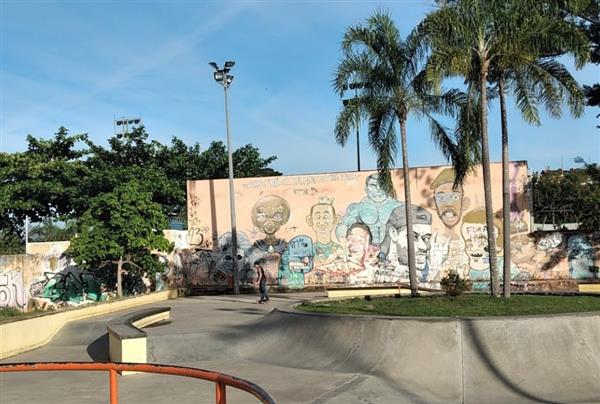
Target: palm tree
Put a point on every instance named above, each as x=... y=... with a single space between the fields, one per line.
x=376 y=55
x=496 y=41
x=523 y=68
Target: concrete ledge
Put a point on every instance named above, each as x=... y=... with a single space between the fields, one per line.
x=366 y=291
x=589 y=287
x=24 y=335
x=127 y=341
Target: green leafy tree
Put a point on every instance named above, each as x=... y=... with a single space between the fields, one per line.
x=164 y=169
x=121 y=228
x=375 y=54
x=42 y=183
x=131 y=156
x=561 y=197
x=56 y=178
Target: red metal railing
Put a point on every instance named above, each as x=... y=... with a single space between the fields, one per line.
x=221 y=380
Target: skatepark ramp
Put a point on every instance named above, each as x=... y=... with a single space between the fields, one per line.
x=501 y=359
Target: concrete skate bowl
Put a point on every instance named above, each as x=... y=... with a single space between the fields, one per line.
x=478 y=360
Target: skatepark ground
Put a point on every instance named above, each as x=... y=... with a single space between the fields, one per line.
x=301 y=358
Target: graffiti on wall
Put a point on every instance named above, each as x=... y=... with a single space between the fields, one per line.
x=70 y=286
x=12 y=293
x=46 y=279
x=343 y=229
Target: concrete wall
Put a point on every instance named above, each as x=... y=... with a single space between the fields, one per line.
x=45 y=278
x=23 y=276
x=21 y=336
x=339 y=228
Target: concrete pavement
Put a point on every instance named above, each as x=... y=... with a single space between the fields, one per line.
x=302 y=358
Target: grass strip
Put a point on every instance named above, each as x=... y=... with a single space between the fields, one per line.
x=462 y=306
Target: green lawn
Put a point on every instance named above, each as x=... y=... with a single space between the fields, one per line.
x=8 y=314
x=463 y=306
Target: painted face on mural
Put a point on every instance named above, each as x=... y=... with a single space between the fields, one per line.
x=358 y=240
x=373 y=190
x=422 y=237
x=322 y=219
x=448 y=204
x=476 y=244
x=299 y=254
x=270 y=213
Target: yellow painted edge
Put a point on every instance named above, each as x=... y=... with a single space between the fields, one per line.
x=589 y=287
x=40 y=330
x=155 y=318
x=362 y=292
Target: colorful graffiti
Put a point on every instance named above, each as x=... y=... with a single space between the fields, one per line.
x=581 y=258
x=343 y=229
x=68 y=287
x=46 y=280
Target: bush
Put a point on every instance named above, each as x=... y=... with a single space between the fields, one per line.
x=454 y=285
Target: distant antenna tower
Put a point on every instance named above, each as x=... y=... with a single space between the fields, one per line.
x=125 y=125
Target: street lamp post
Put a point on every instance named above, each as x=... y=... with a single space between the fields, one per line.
x=355 y=87
x=223 y=77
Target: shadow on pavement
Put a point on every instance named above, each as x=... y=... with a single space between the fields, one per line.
x=98 y=349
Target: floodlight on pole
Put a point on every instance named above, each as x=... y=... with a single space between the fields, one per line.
x=123 y=125
x=355 y=86
x=223 y=77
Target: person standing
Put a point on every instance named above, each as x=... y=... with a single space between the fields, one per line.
x=262 y=283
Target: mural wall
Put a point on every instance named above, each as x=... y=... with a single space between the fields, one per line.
x=45 y=279
x=340 y=228
x=330 y=229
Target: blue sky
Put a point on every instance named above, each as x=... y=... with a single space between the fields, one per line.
x=81 y=63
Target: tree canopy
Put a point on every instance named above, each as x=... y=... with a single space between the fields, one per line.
x=569 y=196
x=119 y=229
x=56 y=179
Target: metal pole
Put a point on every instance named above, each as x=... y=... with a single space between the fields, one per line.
x=114 y=388
x=357 y=137
x=26 y=233
x=234 y=249
x=221 y=394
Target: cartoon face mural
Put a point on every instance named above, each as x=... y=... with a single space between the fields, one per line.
x=268 y=215
x=296 y=261
x=449 y=203
x=581 y=257
x=474 y=232
x=284 y=216
x=322 y=219
x=395 y=245
x=373 y=190
x=373 y=210
x=358 y=239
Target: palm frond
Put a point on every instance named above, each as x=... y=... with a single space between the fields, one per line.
x=383 y=141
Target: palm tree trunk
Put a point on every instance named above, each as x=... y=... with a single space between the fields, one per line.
x=120 y=277
x=505 y=190
x=487 y=190
x=410 y=241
